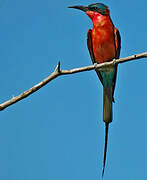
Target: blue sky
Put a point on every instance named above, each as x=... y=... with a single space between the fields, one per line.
x=58 y=132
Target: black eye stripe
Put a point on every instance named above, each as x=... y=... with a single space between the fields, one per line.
x=93 y=8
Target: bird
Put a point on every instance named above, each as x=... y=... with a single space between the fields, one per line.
x=104 y=44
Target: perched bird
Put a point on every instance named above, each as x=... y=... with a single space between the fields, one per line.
x=104 y=43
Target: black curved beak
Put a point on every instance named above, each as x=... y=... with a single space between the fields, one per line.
x=82 y=8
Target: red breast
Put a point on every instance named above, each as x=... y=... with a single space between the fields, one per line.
x=102 y=37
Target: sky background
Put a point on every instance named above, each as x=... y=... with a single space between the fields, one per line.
x=58 y=133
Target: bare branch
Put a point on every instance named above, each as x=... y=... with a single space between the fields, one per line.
x=58 y=72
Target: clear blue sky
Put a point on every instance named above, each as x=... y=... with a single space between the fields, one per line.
x=58 y=133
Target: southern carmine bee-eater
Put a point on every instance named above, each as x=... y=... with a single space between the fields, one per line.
x=103 y=42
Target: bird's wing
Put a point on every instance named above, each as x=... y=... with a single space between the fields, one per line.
x=90 y=48
x=117 y=39
x=117 y=42
x=89 y=45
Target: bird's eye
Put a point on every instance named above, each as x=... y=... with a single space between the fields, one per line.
x=94 y=8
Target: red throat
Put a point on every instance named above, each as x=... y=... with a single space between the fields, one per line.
x=93 y=14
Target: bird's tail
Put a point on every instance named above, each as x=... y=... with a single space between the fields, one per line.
x=107 y=117
x=107 y=104
x=105 y=148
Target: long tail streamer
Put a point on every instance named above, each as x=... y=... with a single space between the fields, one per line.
x=105 y=148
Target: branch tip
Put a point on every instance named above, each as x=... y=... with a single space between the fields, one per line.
x=57 y=69
x=59 y=66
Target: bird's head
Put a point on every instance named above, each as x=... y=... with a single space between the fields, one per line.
x=94 y=9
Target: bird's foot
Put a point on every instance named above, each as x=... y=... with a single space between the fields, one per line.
x=114 y=62
x=95 y=65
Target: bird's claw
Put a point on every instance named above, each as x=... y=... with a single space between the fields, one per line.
x=114 y=62
x=95 y=65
